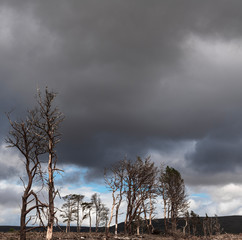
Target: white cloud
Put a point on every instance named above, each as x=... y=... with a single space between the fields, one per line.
x=220 y=200
x=9 y=157
x=215 y=50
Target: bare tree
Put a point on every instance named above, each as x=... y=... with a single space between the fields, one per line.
x=151 y=208
x=87 y=207
x=78 y=200
x=162 y=190
x=187 y=223
x=46 y=120
x=120 y=172
x=96 y=201
x=68 y=210
x=211 y=226
x=22 y=137
x=138 y=180
x=114 y=182
x=104 y=216
x=111 y=183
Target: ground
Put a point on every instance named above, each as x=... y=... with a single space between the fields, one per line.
x=101 y=236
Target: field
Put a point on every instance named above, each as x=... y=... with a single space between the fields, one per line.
x=101 y=236
x=231 y=225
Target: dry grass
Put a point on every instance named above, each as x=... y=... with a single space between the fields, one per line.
x=101 y=236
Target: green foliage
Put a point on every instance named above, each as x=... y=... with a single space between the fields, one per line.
x=172 y=189
x=11 y=230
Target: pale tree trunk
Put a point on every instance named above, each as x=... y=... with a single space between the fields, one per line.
x=138 y=230
x=78 y=218
x=138 y=222
x=165 y=221
x=51 y=216
x=117 y=210
x=116 y=229
x=111 y=214
x=116 y=219
x=165 y=206
x=96 y=221
x=49 y=233
x=184 y=228
x=151 y=228
x=90 y=221
x=127 y=215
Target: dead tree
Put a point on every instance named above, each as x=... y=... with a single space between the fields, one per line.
x=114 y=182
x=211 y=226
x=187 y=223
x=68 y=210
x=148 y=205
x=46 y=120
x=120 y=171
x=138 y=182
x=162 y=190
x=22 y=137
x=87 y=207
x=112 y=185
x=78 y=200
x=104 y=211
x=96 y=201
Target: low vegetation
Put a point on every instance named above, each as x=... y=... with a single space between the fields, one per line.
x=102 y=236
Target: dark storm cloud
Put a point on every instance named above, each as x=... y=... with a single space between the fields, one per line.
x=129 y=80
x=220 y=151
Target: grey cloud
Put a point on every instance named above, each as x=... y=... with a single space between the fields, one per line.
x=9 y=198
x=220 y=150
x=123 y=76
x=7 y=172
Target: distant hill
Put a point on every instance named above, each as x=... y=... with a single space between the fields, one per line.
x=229 y=224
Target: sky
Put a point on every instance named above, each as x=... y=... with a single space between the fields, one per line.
x=134 y=78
